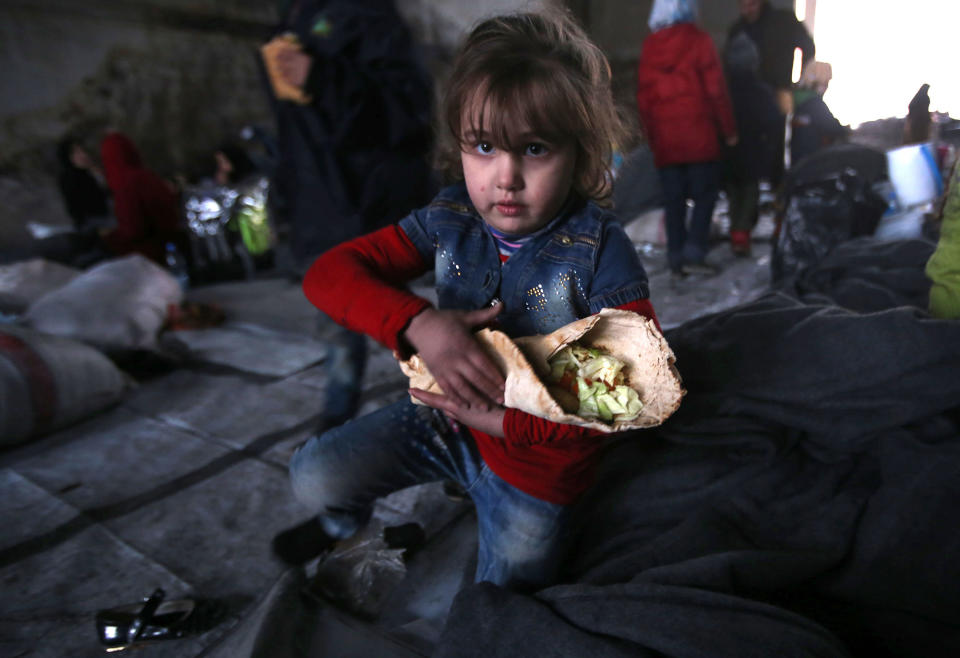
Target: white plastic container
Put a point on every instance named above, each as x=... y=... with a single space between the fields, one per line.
x=913 y=171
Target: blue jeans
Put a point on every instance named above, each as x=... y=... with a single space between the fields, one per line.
x=340 y=473
x=346 y=361
x=700 y=182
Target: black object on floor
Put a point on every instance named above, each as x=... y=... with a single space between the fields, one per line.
x=154 y=620
x=301 y=543
x=409 y=536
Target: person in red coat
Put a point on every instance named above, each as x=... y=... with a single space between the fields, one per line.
x=146 y=207
x=685 y=112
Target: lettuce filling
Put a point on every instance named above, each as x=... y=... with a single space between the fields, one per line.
x=596 y=378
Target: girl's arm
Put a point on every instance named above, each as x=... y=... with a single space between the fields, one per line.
x=359 y=284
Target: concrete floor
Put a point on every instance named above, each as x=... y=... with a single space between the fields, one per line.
x=183 y=485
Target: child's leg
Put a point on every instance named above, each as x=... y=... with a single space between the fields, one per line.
x=340 y=473
x=522 y=539
x=704 y=188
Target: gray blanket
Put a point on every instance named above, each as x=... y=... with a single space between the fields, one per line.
x=803 y=500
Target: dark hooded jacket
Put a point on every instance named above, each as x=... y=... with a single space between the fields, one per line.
x=83 y=195
x=756 y=111
x=682 y=96
x=356 y=157
x=777 y=33
x=147 y=209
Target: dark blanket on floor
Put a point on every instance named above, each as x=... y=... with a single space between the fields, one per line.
x=804 y=500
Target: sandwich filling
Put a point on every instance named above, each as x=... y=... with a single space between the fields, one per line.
x=589 y=382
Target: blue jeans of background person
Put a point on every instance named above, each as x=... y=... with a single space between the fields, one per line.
x=700 y=182
x=340 y=473
x=346 y=361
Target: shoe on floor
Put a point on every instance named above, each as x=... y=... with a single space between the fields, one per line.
x=153 y=620
x=740 y=243
x=300 y=544
x=702 y=269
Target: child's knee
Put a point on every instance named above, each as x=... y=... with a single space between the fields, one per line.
x=317 y=479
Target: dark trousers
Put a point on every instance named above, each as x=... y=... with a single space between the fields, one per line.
x=699 y=181
x=744 y=198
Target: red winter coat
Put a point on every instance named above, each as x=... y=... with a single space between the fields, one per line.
x=147 y=209
x=682 y=96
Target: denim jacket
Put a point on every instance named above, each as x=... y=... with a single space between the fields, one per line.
x=584 y=262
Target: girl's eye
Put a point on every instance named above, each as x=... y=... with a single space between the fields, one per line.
x=535 y=149
x=485 y=147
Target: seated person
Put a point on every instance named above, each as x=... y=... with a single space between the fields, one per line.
x=146 y=206
x=82 y=185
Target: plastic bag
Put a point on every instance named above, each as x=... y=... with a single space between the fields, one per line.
x=360 y=573
x=822 y=214
x=251 y=217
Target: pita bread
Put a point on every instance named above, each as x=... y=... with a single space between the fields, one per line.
x=649 y=367
x=282 y=89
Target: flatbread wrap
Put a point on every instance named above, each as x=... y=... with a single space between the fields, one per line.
x=648 y=368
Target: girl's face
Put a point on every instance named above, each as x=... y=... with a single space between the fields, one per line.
x=517 y=191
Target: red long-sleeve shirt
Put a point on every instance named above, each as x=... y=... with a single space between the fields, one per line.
x=358 y=284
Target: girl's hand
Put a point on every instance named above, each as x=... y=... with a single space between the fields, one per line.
x=488 y=421
x=462 y=368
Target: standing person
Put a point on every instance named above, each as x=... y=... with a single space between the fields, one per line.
x=917 y=126
x=752 y=158
x=352 y=103
x=529 y=119
x=777 y=34
x=685 y=111
x=354 y=143
x=146 y=207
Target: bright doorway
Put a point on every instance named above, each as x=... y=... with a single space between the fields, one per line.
x=882 y=52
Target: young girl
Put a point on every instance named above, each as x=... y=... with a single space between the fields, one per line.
x=519 y=243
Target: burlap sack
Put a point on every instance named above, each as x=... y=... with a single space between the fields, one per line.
x=649 y=367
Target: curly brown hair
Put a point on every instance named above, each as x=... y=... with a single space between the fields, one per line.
x=540 y=69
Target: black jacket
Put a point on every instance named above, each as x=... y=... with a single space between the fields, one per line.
x=356 y=157
x=777 y=32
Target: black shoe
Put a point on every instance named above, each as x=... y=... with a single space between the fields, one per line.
x=300 y=544
x=154 y=620
x=700 y=269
